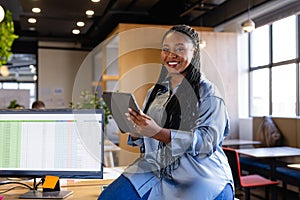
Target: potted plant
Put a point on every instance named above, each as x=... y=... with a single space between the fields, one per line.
x=7 y=37
x=92 y=101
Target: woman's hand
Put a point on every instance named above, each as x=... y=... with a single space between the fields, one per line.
x=146 y=126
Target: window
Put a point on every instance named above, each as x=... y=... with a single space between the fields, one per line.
x=22 y=75
x=274 y=64
x=284 y=39
x=260 y=47
x=260 y=92
x=9 y=85
x=284 y=90
x=31 y=88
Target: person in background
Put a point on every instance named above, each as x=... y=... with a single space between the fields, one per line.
x=38 y=105
x=179 y=132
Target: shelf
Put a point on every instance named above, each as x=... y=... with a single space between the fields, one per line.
x=106 y=77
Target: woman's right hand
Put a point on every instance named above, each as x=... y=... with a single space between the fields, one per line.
x=147 y=127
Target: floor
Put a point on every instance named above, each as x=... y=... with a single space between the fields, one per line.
x=259 y=194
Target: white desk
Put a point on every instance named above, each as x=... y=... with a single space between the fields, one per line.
x=82 y=188
x=271 y=154
x=238 y=142
x=294 y=166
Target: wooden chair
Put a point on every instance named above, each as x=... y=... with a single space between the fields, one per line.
x=246 y=182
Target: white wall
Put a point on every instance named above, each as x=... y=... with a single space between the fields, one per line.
x=219 y=62
x=57 y=69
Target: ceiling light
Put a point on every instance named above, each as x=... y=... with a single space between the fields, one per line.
x=2 y=13
x=202 y=44
x=75 y=31
x=32 y=20
x=4 y=71
x=89 y=12
x=32 y=68
x=96 y=1
x=248 y=26
x=80 y=24
x=32 y=28
x=36 y=10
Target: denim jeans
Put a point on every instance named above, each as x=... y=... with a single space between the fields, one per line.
x=226 y=194
x=121 y=189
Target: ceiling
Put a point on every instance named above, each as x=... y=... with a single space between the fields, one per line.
x=58 y=17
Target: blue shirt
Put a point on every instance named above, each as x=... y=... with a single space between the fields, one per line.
x=203 y=169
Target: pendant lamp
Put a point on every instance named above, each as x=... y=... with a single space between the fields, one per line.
x=249 y=25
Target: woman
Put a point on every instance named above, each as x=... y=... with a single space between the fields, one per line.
x=180 y=132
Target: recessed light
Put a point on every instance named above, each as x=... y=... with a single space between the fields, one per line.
x=32 y=20
x=89 y=12
x=33 y=70
x=2 y=13
x=75 y=31
x=96 y=1
x=36 y=10
x=80 y=24
x=32 y=28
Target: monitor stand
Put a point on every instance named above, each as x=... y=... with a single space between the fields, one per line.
x=34 y=194
x=46 y=193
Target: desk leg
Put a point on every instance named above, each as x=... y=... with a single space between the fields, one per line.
x=109 y=159
x=273 y=178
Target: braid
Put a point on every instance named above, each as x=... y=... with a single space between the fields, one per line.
x=187 y=30
x=156 y=88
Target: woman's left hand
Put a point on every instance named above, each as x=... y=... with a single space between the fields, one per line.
x=145 y=125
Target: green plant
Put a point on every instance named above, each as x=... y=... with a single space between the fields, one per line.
x=14 y=105
x=7 y=37
x=91 y=101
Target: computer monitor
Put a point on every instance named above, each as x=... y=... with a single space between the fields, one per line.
x=63 y=143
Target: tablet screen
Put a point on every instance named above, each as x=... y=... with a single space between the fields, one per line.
x=118 y=104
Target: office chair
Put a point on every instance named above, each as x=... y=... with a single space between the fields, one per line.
x=246 y=182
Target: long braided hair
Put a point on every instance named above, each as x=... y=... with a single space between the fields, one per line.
x=181 y=109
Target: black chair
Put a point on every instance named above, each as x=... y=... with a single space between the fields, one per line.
x=246 y=182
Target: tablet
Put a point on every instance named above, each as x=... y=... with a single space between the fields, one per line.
x=118 y=104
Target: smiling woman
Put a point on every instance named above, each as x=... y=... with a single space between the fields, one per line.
x=179 y=131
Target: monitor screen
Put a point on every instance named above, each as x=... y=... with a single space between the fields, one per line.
x=63 y=143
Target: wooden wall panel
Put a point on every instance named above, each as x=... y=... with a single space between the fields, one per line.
x=219 y=64
x=288 y=126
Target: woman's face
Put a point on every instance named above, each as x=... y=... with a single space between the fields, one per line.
x=177 y=52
